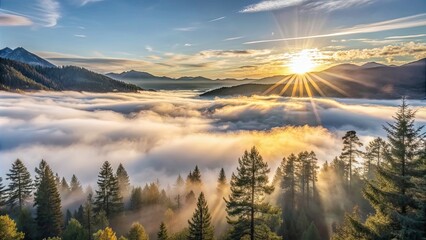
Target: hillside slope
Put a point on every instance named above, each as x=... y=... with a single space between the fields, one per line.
x=16 y=75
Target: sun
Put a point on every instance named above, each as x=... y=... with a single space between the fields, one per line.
x=302 y=62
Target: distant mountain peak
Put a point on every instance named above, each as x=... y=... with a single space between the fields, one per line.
x=5 y=51
x=20 y=54
x=373 y=65
x=131 y=74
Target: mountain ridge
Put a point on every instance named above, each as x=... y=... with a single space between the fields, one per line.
x=387 y=82
x=18 y=76
x=20 y=54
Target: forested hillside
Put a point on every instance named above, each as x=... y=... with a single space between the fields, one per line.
x=20 y=76
x=372 y=190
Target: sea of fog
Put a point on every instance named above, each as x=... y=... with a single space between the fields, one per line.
x=158 y=135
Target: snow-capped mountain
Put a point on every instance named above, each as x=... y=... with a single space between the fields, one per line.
x=21 y=55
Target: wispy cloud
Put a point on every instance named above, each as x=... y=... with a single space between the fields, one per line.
x=271 y=5
x=217 y=19
x=397 y=23
x=80 y=35
x=188 y=45
x=84 y=2
x=416 y=50
x=149 y=48
x=14 y=20
x=233 y=38
x=49 y=11
x=185 y=29
x=407 y=36
x=324 y=5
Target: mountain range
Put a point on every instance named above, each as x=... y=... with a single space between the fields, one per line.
x=21 y=55
x=28 y=74
x=149 y=81
x=23 y=70
x=371 y=80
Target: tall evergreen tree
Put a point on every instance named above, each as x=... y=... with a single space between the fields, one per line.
x=350 y=151
x=222 y=183
x=39 y=172
x=162 y=233
x=392 y=195
x=313 y=174
x=88 y=220
x=136 y=199
x=180 y=183
x=246 y=206
x=374 y=154
x=75 y=186
x=48 y=202
x=3 y=194
x=123 y=181
x=65 y=188
x=289 y=185
x=200 y=224
x=20 y=186
x=107 y=195
x=398 y=212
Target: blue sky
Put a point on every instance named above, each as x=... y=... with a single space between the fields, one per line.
x=219 y=38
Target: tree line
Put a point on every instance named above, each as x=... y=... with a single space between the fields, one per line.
x=380 y=197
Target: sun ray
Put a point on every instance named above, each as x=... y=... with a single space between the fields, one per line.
x=287 y=85
x=301 y=86
x=330 y=84
x=307 y=88
x=311 y=99
x=315 y=85
x=295 y=86
x=345 y=78
x=276 y=85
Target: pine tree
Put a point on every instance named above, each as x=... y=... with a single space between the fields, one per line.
x=196 y=176
x=20 y=186
x=193 y=181
x=107 y=195
x=180 y=183
x=162 y=233
x=246 y=202
x=75 y=186
x=123 y=181
x=222 y=183
x=288 y=185
x=351 y=228
x=39 y=172
x=136 y=199
x=68 y=216
x=65 y=188
x=88 y=221
x=190 y=197
x=48 y=203
x=276 y=181
x=200 y=224
x=393 y=193
x=350 y=151
x=3 y=194
x=374 y=153
x=137 y=232
x=313 y=174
